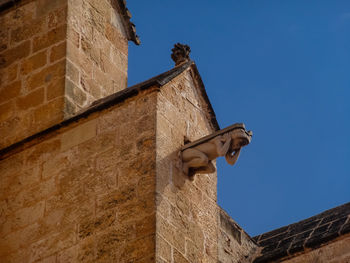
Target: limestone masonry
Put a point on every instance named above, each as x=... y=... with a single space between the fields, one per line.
x=58 y=56
x=90 y=169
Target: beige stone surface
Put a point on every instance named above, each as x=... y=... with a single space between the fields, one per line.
x=97 y=49
x=108 y=189
x=79 y=134
x=85 y=193
x=337 y=251
x=187 y=222
x=235 y=246
x=54 y=50
x=26 y=70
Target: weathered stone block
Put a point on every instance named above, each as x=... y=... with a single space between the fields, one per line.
x=102 y=7
x=78 y=134
x=116 y=198
x=93 y=17
x=30 y=29
x=12 y=242
x=93 y=226
x=34 y=62
x=174 y=237
x=7 y=110
x=50 y=38
x=4 y=38
x=91 y=86
x=111 y=242
x=55 y=89
x=72 y=72
x=58 y=52
x=49 y=113
x=68 y=255
x=90 y=50
x=32 y=99
x=9 y=74
x=179 y=258
x=87 y=251
x=10 y=125
x=113 y=35
x=103 y=80
x=70 y=108
x=163 y=249
x=101 y=182
x=119 y=59
x=42 y=152
x=28 y=215
x=116 y=21
x=21 y=15
x=79 y=58
x=10 y=91
x=76 y=95
x=52 y=244
x=46 y=75
x=46 y=6
x=135 y=209
x=136 y=250
x=57 y=17
x=73 y=36
x=35 y=193
x=55 y=166
x=11 y=55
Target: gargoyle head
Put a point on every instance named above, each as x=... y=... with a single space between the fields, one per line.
x=240 y=137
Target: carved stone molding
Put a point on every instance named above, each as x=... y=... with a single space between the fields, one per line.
x=197 y=157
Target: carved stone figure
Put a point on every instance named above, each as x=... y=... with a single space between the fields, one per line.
x=197 y=157
x=180 y=53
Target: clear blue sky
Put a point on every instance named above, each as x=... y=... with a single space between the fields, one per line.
x=282 y=68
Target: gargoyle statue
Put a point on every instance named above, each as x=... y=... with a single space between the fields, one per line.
x=197 y=156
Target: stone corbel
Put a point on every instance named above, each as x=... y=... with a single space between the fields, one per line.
x=197 y=157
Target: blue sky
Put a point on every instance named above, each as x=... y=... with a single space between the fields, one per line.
x=282 y=68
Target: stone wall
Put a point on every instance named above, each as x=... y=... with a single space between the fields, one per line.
x=84 y=193
x=107 y=186
x=335 y=252
x=56 y=57
x=97 y=52
x=187 y=218
x=32 y=68
x=235 y=245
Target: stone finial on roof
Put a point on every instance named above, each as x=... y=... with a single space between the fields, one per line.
x=180 y=53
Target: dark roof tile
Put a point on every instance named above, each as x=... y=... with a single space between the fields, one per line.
x=5 y=4
x=302 y=236
x=345 y=228
x=296 y=247
x=273 y=233
x=312 y=232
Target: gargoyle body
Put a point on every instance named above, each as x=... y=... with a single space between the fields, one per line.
x=198 y=158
